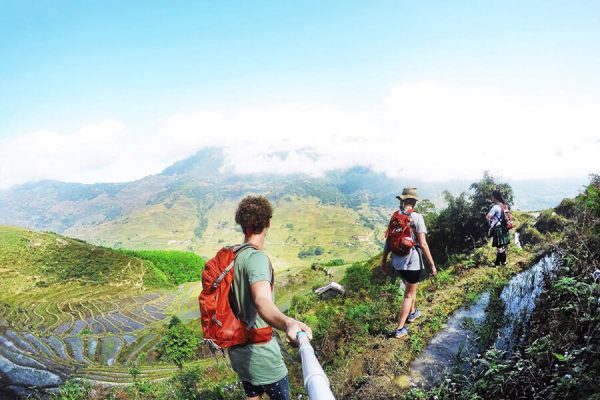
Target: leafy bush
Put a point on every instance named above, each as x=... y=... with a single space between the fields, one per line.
x=179 y=343
x=301 y=303
x=186 y=383
x=528 y=235
x=311 y=251
x=449 y=231
x=567 y=208
x=74 y=389
x=549 y=221
x=333 y=263
x=357 y=277
x=358 y=316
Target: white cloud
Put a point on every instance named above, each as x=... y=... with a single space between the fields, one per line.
x=421 y=129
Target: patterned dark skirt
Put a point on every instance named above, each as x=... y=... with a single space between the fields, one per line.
x=501 y=237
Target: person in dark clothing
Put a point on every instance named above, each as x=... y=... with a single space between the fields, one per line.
x=500 y=235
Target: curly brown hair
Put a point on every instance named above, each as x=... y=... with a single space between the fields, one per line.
x=254 y=214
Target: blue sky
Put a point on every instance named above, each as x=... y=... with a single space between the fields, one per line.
x=65 y=65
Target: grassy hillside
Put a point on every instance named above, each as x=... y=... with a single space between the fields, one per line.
x=41 y=271
x=164 y=225
x=34 y=260
x=298 y=224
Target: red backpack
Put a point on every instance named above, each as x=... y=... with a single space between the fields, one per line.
x=220 y=326
x=399 y=233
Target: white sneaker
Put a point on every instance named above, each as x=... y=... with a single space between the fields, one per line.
x=400 y=333
x=413 y=316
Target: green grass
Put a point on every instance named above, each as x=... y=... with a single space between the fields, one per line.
x=53 y=258
x=350 y=331
x=179 y=266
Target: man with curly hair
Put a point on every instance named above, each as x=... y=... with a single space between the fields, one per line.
x=260 y=367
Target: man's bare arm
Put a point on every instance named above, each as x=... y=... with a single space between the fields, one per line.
x=268 y=311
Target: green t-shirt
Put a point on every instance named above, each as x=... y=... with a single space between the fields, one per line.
x=259 y=364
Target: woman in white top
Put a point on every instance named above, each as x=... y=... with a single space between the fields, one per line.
x=499 y=233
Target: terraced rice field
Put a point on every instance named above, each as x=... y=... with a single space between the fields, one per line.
x=89 y=332
x=71 y=309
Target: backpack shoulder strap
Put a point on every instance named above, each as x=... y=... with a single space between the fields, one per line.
x=238 y=248
x=408 y=213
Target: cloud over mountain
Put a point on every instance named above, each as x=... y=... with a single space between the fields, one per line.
x=425 y=130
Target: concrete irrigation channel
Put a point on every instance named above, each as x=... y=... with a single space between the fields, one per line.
x=458 y=339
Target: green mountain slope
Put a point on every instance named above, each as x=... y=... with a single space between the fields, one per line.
x=36 y=260
x=342 y=232
x=39 y=268
x=190 y=206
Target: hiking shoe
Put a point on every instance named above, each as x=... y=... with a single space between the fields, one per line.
x=401 y=333
x=413 y=316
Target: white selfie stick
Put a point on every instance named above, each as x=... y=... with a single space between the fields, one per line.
x=316 y=382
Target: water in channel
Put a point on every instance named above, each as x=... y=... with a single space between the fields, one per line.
x=458 y=338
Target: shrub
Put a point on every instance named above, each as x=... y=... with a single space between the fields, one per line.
x=74 y=389
x=567 y=208
x=443 y=278
x=528 y=235
x=358 y=317
x=186 y=383
x=357 y=277
x=334 y=263
x=549 y=221
x=179 y=343
x=302 y=303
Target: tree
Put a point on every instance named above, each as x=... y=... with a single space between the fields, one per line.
x=179 y=344
x=480 y=197
x=425 y=207
x=450 y=231
x=462 y=224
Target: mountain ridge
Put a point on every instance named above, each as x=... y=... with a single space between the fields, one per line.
x=190 y=206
